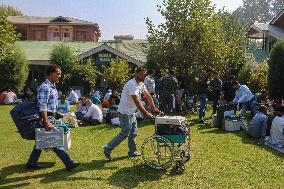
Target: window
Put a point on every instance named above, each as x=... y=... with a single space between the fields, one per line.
x=56 y=34
x=66 y=34
x=39 y=35
x=81 y=35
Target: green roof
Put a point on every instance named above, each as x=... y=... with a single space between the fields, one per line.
x=39 y=50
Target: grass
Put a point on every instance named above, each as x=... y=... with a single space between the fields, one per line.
x=218 y=160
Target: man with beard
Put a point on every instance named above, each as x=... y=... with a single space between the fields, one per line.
x=129 y=102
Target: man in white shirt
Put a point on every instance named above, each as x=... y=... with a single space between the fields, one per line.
x=129 y=102
x=94 y=115
x=73 y=97
x=277 y=129
x=150 y=82
x=245 y=97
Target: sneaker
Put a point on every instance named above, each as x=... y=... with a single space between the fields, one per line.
x=107 y=155
x=73 y=166
x=33 y=166
x=135 y=154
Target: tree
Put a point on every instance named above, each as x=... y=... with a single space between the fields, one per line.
x=259 y=77
x=254 y=11
x=8 y=37
x=64 y=56
x=86 y=72
x=193 y=37
x=6 y=10
x=277 y=6
x=275 y=71
x=117 y=74
x=14 y=71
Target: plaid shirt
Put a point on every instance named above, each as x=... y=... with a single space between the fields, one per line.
x=47 y=97
x=168 y=85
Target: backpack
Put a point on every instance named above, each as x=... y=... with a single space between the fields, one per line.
x=27 y=118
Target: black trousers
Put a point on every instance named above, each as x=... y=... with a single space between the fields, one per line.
x=220 y=113
x=166 y=104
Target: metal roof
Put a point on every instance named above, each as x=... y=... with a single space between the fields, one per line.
x=257 y=30
x=134 y=51
x=47 y=20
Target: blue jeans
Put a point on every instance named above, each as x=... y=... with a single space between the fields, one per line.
x=60 y=152
x=251 y=104
x=203 y=106
x=128 y=125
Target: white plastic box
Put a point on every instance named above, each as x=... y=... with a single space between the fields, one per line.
x=214 y=121
x=170 y=120
x=49 y=139
x=67 y=140
x=233 y=125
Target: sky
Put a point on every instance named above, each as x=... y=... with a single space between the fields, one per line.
x=115 y=17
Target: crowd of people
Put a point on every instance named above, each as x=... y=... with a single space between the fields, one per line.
x=146 y=94
x=230 y=95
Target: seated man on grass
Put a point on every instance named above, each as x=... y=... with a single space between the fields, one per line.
x=94 y=116
x=244 y=97
x=82 y=108
x=258 y=125
x=63 y=105
x=277 y=129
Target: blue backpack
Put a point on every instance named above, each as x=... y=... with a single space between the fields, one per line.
x=27 y=118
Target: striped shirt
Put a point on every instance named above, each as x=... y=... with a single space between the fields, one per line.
x=47 y=97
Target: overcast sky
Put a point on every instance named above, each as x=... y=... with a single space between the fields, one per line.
x=113 y=16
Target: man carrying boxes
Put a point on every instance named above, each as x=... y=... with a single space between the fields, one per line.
x=47 y=98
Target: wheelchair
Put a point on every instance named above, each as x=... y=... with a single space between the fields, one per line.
x=169 y=146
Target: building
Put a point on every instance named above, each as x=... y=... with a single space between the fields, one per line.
x=55 y=28
x=268 y=34
x=37 y=53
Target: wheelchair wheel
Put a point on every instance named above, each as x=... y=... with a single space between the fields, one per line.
x=157 y=152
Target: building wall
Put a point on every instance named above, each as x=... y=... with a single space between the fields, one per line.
x=38 y=33
x=85 y=33
x=46 y=33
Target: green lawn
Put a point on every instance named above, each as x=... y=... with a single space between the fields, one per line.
x=218 y=160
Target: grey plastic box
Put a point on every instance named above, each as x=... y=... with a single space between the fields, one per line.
x=49 y=139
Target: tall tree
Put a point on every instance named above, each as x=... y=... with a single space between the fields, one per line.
x=6 y=10
x=14 y=70
x=275 y=71
x=63 y=56
x=194 y=36
x=277 y=6
x=117 y=74
x=8 y=37
x=254 y=11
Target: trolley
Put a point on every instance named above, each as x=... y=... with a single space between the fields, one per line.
x=170 y=144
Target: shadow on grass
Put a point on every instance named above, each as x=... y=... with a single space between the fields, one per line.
x=130 y=177
x=55 y=176
x=246 y=139
x=15 y=186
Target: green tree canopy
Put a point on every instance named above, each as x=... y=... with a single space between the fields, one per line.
x=117 y=74
x=64 y=56
x=6 y=10
x=275 y=71
x=74 y=70
x=194 y=36
x=8 y=37
x=14 y=71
